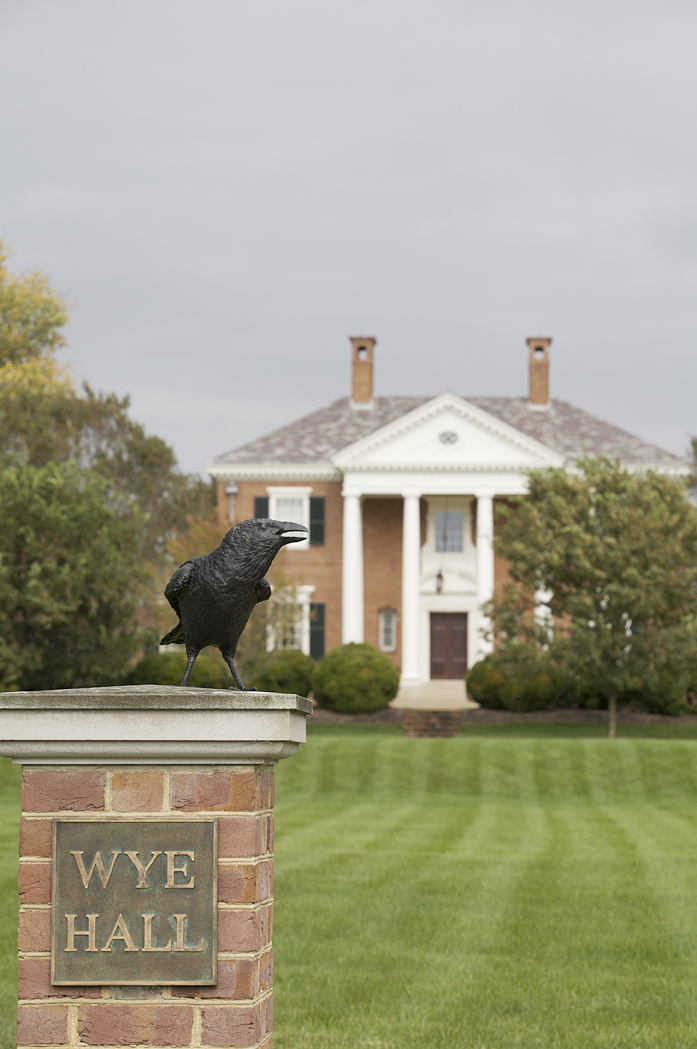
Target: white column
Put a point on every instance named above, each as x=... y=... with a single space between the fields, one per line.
x=411 y=574
x=485 y=562
x=352 y=571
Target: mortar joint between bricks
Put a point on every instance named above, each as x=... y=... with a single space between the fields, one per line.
x=196 y=1027
x=233 y=956
x=180 y=815
x=245 y=908
x=73 y=1038
x=167 y=792
x=108 y=796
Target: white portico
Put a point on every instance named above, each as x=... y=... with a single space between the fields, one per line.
x=446 y=460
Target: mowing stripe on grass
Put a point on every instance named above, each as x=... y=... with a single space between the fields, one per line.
x=513 y=899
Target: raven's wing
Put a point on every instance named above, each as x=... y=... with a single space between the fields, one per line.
x=179 y=584
x=263 y=590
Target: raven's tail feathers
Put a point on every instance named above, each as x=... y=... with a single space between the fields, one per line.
x=175 y=636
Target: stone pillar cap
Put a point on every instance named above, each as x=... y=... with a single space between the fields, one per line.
x=150 y=724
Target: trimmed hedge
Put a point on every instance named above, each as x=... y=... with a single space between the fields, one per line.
x=524 y=685
x=521 y=677
x=355 y=679
x=287 y=670
x=168 y=669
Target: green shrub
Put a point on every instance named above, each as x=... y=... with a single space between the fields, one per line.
x=287 y=670
x=483 y=684
x=355 y=679
x=518 y=677
x=521 y=676
x=168 y=669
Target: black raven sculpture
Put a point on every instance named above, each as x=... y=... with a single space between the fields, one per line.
x=215 y=595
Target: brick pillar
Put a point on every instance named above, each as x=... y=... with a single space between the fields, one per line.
x=237 y=1012
x=168 y=755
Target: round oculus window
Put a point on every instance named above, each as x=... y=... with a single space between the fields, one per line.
x=448 y=437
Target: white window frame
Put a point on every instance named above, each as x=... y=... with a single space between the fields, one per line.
x=382 y=616
x=276 y=492
x=303 y=599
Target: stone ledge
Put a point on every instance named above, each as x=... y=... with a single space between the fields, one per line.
x=152 y=697
x=151 y=725
x=146 y=752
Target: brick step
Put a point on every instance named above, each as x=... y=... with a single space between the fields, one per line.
x=418 y=724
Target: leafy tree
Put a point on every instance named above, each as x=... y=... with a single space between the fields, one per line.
x=44 y=419
x=609 y=558
x=69 y=576
x=31 y=315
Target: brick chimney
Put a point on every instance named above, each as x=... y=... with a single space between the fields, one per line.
x=539 y=374
x=362 y=370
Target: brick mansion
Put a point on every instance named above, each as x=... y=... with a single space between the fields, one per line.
x=398 y=494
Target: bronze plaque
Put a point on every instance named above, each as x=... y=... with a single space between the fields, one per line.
x=134 y=902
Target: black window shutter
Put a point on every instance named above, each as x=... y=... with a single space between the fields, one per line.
x=316 y=631
x=316 y=520
x=261 y=506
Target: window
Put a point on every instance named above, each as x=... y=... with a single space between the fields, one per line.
x=261 y=506
x=450 y=526
x=316 y=631
x=288 y=634
x=291 y=504
x=289 y=622
x=387 y=630
x=316 y=520
x=289 y=509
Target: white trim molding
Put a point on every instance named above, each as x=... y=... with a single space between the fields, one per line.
x=321 y=471
x=298 y=493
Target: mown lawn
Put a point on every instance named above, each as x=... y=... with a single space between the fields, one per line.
x=505 y=888
x=487 y=891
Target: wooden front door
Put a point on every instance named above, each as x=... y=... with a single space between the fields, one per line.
x=448 y=645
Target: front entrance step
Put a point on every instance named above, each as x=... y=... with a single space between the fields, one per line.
x=433 y=695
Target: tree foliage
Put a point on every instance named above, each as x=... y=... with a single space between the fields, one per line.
x=609 y=558
x=69 y=577
x=32 y=315
x=45 y=419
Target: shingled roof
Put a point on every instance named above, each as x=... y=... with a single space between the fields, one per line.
x=563 y=428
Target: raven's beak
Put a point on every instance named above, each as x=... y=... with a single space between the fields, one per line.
x=288 y=530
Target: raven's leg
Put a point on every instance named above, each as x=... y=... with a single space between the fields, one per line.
x=189 y=666
x=227 y=656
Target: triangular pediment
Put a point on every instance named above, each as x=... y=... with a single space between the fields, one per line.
x=447 y=433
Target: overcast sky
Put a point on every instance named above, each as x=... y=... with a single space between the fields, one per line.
x=225 y=190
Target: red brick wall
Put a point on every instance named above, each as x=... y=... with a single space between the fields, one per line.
x=319 y=566
x=501 y=565
x=382 y=566
x=235 y=1013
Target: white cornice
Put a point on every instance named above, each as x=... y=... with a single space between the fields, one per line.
x=323 y=471
x=450 y=468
